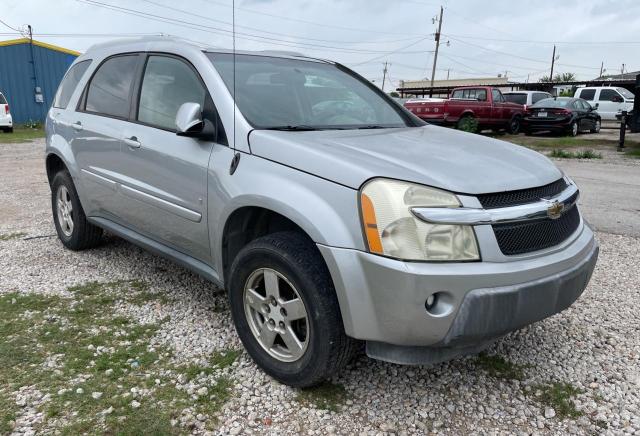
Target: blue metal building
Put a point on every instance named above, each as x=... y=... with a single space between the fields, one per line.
x=30 y=72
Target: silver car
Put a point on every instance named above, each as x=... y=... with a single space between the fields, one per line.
x=333 y=217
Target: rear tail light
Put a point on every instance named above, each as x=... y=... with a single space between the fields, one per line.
x=562 y=112
x=6 y=109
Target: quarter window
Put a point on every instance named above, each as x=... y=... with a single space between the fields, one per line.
x=2 y=99
x=110 y=88
x=69 y=83
x=608 y=94
x=588 y=94
x=167 y=84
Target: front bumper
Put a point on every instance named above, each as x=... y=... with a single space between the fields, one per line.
x=382 y=300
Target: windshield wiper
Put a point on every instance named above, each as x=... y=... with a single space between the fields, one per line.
x=299 y=128
x=373 y=126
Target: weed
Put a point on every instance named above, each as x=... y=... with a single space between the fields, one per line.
x=559 y=397
x=59 y=345
x=586 y=154
x=328 y=396
x=497 y=366
x=10 y=236
x=21 y=134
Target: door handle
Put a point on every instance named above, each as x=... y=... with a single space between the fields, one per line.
x=132 y=142
x=77 y=126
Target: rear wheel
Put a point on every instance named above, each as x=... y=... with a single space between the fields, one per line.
x=73 y=229
x=573 y=129
x=286 y=311
x=597 y=127
x=514 y=125
x=468 y=123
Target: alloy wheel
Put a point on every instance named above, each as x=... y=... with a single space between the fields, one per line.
x=64 y=208
x=276 y=315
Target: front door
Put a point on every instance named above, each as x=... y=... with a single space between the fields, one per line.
x=608 y=106
x=164 y=189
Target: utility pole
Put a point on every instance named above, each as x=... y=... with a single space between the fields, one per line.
x=601 y=70
x=448 y=71
x=384 y=74
x=622 y=71
x=553 y=61
x=435 y=55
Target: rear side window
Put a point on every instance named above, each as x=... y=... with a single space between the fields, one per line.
x=2 y=99
x=537 y=96
x=69 y=83
x=167 y=84
x=588 y=94
x=110 y=88
x=516 y=98
x=473 y=94
x=608 y=94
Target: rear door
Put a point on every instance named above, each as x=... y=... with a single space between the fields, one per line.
x=588 y=94
x=164 y=176
x=102 y=115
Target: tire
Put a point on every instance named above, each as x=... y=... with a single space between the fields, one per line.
x=299 y=267
x=597 y=127
x=515 y=125
x=573 y=129
x=468 y=123
x=9 y=130
x=76 y=234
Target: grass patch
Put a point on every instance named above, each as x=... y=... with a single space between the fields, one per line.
x=327 y=396
x=633 y=153
x=559 y=396
x=586 y=154
x=74 y=347
x=21 y=135
x=546 y=142
x=10 y=236
x=499 y=367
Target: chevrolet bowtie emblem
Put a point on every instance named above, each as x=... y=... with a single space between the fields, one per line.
x=555 y=210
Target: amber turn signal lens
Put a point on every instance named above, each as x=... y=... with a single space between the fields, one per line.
x=370 y=225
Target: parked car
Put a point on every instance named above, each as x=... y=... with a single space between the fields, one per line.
x=328 y=230
x=565 y=115
x=611 y=101
x=481 y=108
x=6 y=121
x=525 y=98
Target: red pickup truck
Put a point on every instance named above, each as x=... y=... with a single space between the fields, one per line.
x=471 y=108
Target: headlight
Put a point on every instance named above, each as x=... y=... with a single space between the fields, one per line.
x=392 y=230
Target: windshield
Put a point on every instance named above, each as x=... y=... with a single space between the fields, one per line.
x=516 y=98
x=279 y=93
x=626 y=93
x=553 y=102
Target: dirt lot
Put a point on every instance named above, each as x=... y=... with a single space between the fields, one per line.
x=117 y=340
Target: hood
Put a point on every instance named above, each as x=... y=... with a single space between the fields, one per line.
x=434 y=156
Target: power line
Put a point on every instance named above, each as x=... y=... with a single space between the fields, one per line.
x=543 y=42
x=182 y=11
x=11 y=27
x=313 y=23
x=225 y=32
x=392 y=52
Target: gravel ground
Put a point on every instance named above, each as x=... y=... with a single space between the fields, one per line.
x=575 y=373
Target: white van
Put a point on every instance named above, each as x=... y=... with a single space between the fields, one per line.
x=6 y=122
x=610 y=100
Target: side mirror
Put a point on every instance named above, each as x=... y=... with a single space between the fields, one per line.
x=595 y=108
x=189 y=119
x=189 y=123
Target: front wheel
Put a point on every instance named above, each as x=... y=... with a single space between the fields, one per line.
x=286 y=311
x=597 y=127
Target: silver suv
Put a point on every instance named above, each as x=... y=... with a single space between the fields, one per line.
x=333 y=217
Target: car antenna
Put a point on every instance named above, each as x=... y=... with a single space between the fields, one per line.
x=236 y=157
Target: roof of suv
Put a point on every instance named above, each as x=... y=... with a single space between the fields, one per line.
x=151 y=43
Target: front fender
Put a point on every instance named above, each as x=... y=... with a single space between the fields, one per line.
x=326 y=211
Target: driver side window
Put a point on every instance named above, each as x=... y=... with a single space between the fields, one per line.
x=167 y=83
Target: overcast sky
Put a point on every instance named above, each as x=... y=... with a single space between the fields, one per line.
x=485 y=38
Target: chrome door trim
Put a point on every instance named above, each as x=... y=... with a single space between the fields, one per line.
x=476 y=216
x=175 y=209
